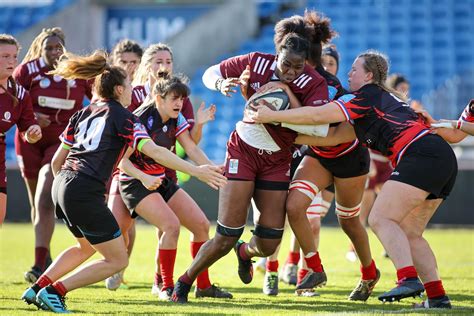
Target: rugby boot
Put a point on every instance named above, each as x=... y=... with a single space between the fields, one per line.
x=52 y=301
x=180 y=292
x=29 y=296
x=364 y=288
x=245 y=268
x=212 y=291
x=310 y=281
x=270 y=283
x=289 y=274
x=32 y=275
x=405 y=288
x=440 y=302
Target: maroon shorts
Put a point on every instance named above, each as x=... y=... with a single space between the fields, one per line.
x=269 y=170
x=3 y=172
x=31 y=157
x=384 y=170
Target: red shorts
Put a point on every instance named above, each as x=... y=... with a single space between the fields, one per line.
x=269 y=170
x=3 y=171
x=31 y=157
x=384 y=170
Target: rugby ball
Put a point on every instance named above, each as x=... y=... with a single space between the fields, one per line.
x=277 y=100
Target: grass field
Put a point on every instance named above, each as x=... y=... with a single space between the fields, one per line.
x=454 y=249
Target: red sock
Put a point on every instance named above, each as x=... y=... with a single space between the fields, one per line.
x=242 y=253
x=158 y=278
x=202 y=281
x=314 y=263
x=43 y=281
x=293 y=257
x=167 y=259
x=41 y=253
x=434 y=289
x=59 y=287
x=369 y=272
x=301 y=274
x=407 y=273
x=272 y=266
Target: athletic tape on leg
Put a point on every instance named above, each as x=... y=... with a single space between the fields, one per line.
x=306 y=187
x=347 y=212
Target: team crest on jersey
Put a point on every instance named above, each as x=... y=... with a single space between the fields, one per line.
x=150 y=122
x=6 y=116
x=57 y=78
x=255 y=85
x=165 y=128
x=71 y=83
x=44 y=83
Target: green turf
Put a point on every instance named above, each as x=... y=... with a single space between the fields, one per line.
x=454 y=249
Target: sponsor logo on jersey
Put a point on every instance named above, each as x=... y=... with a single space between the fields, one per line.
x=71 y=83
x=45 y=83
x=57 y=78
x=395 y=173
x=150 y=122
x=233 y=166
x=6 y=117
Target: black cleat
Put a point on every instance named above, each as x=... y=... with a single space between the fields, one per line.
x=33 y=275
x=440 y=302
x=245 y=269
x=406 y=288
x=364 y=289
x=212 y=291
x=311 y=281
x=180 y=292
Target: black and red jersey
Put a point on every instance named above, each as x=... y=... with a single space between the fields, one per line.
x=382 y=121
x=468 y=113
x=162 y=133
x=98 y=136
x=310 y=87
x=335 y=91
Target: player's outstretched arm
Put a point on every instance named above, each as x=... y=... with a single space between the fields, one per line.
x=148 y=181
x=453 y=131
x=192 y=150
x=59 y=158
x=342 y=133
x=211 y=175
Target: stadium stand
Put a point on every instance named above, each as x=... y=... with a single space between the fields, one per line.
x=430 y=41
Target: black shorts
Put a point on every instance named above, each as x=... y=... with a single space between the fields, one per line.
x=353 y=164
x=133 y=191
x=298 y=155
x=80 y=202
x=428 y=164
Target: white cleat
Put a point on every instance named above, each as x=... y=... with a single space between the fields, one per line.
x=156 y=289
x=113 y=282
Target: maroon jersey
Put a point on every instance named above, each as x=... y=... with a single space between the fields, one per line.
x=98 y=137
x=335 y=91
x=382 y=121
x=19 y=112
x=162 y=133
x=468 y=113
x=310 y=88
x=52 y=95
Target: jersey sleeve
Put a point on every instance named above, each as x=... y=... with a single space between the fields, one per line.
x=353 y=106
x=20 y=74
x=132 y=130
x=468 y=114
x=316 y=94
x=67 y=137
x=27 y=116
x=234 y=66
x=181 y=125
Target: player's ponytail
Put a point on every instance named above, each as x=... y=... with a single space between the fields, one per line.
x=93 y=66
x=378 y=64
x=166 y=83
x=7 y=39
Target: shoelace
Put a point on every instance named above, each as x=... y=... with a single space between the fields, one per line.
x=272 y=280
